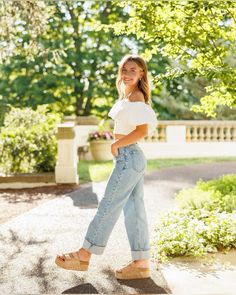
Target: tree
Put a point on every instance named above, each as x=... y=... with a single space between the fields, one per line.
x=199 y=35
x=22 y=15
x=82 y=79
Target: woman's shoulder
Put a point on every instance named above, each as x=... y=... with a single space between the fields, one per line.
x=137 y=96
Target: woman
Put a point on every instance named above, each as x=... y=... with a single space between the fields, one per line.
x=134 y=119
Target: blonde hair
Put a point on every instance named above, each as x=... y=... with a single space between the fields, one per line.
x=143 y=84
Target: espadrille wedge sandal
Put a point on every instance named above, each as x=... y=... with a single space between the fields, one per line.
x=71 y=261
x=131 y=272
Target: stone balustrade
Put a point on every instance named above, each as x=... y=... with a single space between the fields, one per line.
x=197 y=131
x=171 y=139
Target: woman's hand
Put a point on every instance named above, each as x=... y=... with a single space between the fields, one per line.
x=114 y=149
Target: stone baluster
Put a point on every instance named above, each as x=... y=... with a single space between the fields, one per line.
x=195 y=133
x=215 y=133
x=221 y=134
x=188 y=133
x=208 y=133
x=201 y=133
x=228 y=133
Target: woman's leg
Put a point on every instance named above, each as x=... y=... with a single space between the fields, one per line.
x=120 y=184
x=136 y=223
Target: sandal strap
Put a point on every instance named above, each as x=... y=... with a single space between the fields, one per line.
x=128 y=266
x=125 y=265
x=71 y=255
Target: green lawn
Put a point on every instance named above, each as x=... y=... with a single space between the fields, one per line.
x=99 y=171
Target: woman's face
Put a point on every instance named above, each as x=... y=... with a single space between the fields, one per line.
x=131 y=73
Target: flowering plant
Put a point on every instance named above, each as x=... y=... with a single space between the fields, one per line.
x=103 y=132
x=98 y=135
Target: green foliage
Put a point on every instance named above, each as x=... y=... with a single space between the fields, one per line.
x=199 y=36
x=75 y=72
x=213 y=194
x=205 y=220
x=192 y=232
x=19 y=15
x=61 y=56
x=28 y=140
x=4 y=109
x=104 y=125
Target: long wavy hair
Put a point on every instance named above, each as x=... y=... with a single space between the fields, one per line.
x=143 y=84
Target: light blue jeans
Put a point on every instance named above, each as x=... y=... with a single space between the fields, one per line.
x=124 y=190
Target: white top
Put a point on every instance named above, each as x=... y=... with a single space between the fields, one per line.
x=127 y=115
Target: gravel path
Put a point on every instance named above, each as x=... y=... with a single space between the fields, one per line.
x=30 y=241
x=14 y=202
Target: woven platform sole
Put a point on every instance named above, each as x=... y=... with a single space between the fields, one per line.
x=131 y=273
x=72 y=264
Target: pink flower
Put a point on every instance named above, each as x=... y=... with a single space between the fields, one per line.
x=96 y=135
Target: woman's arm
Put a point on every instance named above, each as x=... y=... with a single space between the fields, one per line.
x=135 y=135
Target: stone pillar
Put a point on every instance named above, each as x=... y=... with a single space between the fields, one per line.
x=176 y=134
x=67 y=158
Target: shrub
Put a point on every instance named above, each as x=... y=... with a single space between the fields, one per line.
x=205 y=221
x=218 y=193
x=28 y=140
x=193 y=233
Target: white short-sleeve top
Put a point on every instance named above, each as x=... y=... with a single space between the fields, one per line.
x=127 y=115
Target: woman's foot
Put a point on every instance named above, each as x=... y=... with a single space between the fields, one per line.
x=82 y=254
x=137 y=269
x=137 y=263
x=74 y=260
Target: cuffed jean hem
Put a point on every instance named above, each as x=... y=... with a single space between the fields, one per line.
x=140 y=254
x=93 y=248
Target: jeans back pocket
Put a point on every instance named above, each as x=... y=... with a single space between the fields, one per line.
x=138 y=160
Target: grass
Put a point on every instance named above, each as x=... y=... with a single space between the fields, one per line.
x=99 y=171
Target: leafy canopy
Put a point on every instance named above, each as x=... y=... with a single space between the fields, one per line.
x=199 y=35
